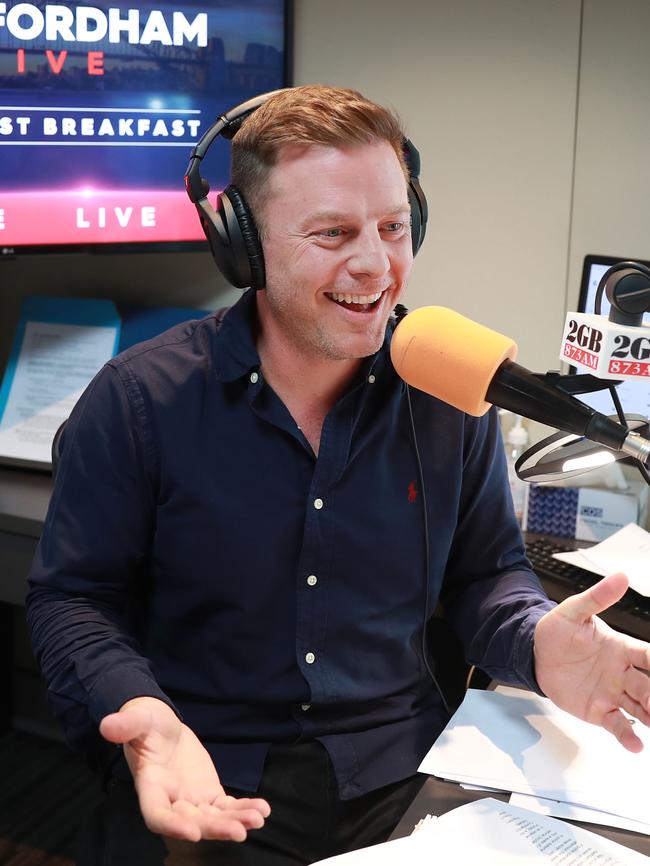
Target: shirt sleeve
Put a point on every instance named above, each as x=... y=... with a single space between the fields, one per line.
x=490 y=593
x=92 y=560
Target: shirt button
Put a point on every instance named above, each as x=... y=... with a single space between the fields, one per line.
x=318 y=504
x=310 y=658
x=312 y=580
x=305 y=707
x=254 y=377
x=371 y=378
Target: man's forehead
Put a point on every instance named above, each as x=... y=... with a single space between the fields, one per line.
x=297 y=157
x=327 y=179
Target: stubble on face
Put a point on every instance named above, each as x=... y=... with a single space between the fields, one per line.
x=317 y=339
x=304 y=269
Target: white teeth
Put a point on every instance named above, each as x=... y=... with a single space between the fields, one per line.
x=355 y=299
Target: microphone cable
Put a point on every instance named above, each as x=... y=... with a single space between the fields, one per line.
x=400 y=312
x=427 y=556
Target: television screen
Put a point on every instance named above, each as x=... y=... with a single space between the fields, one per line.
x=101 y=104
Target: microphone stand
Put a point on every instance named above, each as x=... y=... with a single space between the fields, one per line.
x=627 y=286
x=571 y=444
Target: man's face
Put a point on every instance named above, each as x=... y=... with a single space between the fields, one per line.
x=337 y=247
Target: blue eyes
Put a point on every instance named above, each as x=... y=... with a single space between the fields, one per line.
x=334 y=233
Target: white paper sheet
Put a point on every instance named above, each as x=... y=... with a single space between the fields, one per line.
x=571 y=812
x=56 y=361
x=507 y=834
x=523 y=743
x=491 y=833
x=627 y=550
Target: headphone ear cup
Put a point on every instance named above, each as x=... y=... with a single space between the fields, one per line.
x=418 y=225
x=417 y=198
x=247 y=255
x=216 y=235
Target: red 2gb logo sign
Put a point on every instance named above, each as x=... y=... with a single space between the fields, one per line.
x=585 y=336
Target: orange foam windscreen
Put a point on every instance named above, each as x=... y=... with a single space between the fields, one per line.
x=449 y=356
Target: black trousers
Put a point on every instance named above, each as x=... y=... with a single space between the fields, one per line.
x=308 y=821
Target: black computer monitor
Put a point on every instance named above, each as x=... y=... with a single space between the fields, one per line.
x=634 y=395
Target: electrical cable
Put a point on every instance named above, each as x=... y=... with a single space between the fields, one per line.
x=616 y=400
x=401 y=311
x=427 y=556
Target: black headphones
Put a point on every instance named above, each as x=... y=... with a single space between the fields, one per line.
x=231 y=230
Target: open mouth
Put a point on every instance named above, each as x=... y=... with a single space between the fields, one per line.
x=356 y=303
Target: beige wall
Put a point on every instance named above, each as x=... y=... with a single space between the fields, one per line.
x=487 y=92
x=611 y=208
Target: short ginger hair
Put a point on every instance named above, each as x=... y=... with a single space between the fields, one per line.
x=306 y=115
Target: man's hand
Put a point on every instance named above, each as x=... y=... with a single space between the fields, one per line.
x=590 y=670
x=178 y=787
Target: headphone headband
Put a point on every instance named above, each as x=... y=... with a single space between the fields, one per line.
x=230 y=227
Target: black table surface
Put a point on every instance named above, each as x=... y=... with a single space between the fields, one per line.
x=437 y=797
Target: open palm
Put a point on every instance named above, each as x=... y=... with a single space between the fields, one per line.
x=177 y=784
x=590 y=670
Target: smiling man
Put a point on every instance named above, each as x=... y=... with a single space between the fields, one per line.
x=253 y=523
x=336 y=264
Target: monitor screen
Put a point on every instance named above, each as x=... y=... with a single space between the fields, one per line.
x=634 y=395
x=101 y=104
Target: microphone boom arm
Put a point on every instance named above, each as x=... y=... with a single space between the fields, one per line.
x=576 y=383
x=540 y=399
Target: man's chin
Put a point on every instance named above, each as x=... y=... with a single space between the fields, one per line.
x=357 y=350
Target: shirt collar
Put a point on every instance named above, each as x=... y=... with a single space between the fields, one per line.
x=236 y=353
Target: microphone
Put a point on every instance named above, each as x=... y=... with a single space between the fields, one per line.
x=472 y=367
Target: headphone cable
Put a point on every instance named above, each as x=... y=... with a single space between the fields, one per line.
x=427 y=555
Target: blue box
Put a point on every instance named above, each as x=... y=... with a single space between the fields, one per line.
x=585 y=513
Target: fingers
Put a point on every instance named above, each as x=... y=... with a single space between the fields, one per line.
x=229 y=821
x=244 y=803
x=125 y=726
x=636 y=700
x=139 y=717
x=639 y=655
x=596 y=599
x=619 y=725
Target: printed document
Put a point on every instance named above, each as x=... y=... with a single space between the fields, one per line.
x=491 y=833
x=59 y=346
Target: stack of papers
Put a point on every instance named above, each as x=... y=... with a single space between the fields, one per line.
x=512 y=740
x=627 y=550
x=492 y=833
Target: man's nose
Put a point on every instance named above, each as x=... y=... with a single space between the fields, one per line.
x=369 y=256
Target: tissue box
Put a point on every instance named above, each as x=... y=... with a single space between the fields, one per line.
x=585 y=513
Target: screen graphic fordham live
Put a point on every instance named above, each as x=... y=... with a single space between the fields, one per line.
x=100 y=106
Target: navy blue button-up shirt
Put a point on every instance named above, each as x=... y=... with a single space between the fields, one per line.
x=197 y=550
